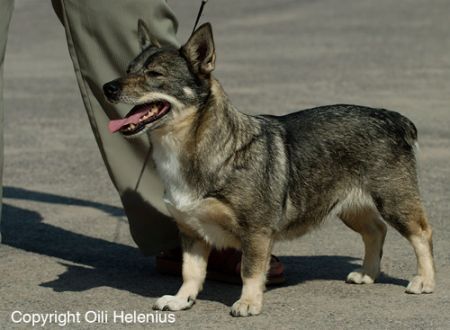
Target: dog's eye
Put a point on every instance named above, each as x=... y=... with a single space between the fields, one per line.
x=153 y=74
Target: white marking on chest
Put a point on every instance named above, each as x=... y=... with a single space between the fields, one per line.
x=181 y=200
x=166 y=152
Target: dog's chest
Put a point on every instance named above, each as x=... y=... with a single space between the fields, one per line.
x=166 y=154
x=202 y=216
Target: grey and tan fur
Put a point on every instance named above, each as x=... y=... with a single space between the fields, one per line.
x=243 y=181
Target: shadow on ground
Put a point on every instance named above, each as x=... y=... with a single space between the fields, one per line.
x=101 y=263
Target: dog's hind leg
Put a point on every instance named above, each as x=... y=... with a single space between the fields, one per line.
x=195 y=260
x=256 y=251
x=404 y=211
x=366 y=222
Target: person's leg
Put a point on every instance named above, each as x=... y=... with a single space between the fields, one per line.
x=6 y=9
x=102 y=40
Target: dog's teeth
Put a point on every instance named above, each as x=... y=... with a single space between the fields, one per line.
x=151 y=113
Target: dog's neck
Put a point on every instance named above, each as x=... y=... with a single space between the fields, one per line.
x=203 y=140
x=219 y=128
x=217 y=122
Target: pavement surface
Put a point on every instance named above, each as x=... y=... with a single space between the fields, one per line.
x=66 y=240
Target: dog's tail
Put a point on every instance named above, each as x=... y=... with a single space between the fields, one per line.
x=405 y=128
x=411 y=135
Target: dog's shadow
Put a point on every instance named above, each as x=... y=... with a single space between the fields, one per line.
x=93 y=262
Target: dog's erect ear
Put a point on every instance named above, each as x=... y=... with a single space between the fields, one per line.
x=200 y=51
x=145 y=37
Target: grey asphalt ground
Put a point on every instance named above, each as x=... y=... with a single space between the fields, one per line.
x=67 y=246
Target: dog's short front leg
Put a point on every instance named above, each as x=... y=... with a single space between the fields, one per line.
x=195 y=260
x=256 y=251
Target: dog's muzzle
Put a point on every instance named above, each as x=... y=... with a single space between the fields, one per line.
x=112 y=90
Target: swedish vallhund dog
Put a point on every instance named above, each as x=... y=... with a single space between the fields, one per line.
x=245 y=181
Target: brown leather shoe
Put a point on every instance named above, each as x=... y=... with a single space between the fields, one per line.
x=223 y=266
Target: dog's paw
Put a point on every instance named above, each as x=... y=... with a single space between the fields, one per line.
x=173 y=303
x=244 y=307
x=360 y=277
x=419 y=284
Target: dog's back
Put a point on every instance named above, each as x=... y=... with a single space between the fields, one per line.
x=339 y=151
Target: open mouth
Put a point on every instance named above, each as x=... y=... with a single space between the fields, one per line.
x=139 y=117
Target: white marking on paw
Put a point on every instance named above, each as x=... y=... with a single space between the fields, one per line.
x=424 y=281
x=246 y=308
x=173 y=303
x=359 y=277
x=419 y=284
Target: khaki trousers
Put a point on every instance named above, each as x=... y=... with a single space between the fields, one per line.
x=102 y=39
x=6 y=9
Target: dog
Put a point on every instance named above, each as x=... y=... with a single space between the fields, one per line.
x=245 y=181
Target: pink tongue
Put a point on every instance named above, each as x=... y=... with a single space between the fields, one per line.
x=116 y=124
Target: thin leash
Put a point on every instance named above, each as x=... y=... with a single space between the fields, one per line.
x=200 y=11
x=147 y=157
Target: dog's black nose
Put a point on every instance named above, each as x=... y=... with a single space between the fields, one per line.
x=112 y=90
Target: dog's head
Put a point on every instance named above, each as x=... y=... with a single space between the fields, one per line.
x=163 y=81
